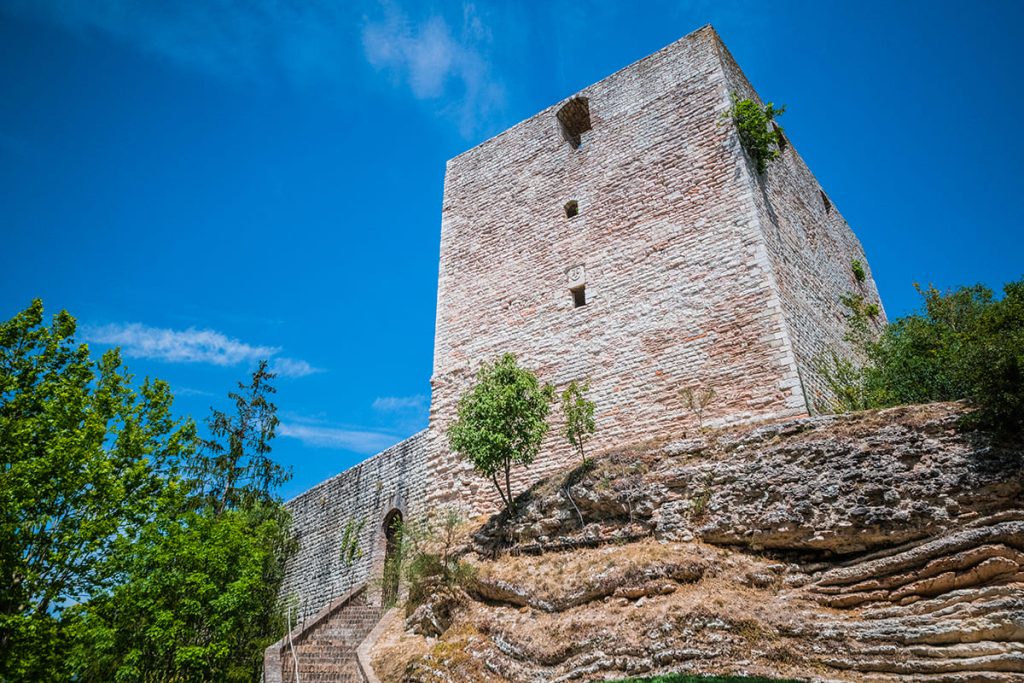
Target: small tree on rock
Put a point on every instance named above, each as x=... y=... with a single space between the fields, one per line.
x=696 y=400
x=579 y=415
x=501 y=422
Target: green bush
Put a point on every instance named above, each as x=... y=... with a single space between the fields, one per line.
x=426 y=558
x=964 y=344
x=760 y=136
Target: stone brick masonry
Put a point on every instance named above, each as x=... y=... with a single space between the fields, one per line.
x=697 y=271
x=362 y=496
x=635 y=197
x=324 y=650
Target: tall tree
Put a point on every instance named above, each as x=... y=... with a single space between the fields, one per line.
x=234 y=464
x=198 y=599
x=82 y=461
x=501 y=422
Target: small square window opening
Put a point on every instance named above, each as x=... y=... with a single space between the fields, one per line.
x=572 y=209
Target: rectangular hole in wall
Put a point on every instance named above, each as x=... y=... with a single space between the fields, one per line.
x=579 y=296
x=572 y=209
x=574 y=119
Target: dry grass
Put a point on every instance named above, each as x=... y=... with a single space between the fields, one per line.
x=718 y=610
x=395 y=650
x=734 y=620
x=718 y=606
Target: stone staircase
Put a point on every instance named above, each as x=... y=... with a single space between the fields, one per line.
x=325 y=646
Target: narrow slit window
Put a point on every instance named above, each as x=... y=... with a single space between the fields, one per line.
x=780 y=137
x=572 y=209
x=825 y=201
x=574 y=119
x=579 y=296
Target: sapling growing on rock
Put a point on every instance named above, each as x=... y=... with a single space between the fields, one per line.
x=501 y=422
x=696 y=400
x=427 y=559
x=579 y=415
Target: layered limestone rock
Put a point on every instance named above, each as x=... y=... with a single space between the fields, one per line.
x=878 y=546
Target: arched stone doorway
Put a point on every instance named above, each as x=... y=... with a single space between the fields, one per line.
x=392 y=559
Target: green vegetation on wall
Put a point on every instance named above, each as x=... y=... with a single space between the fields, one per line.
x=350 y=550
x=760 y=136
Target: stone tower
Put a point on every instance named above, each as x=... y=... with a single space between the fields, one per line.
x=624 y=236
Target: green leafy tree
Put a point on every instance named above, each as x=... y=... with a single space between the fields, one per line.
x=199 y=599
x=760 y=136
x=501 y=422
x=83 y=458
x=964 y=344
x=579 y=416
x=236 y=466
x=198 y=595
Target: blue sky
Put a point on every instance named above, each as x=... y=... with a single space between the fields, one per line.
x=210 y=183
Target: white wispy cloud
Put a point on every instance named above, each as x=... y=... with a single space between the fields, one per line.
x=192 y=345
x=310 y=44
x=303 y=42
x=293 y=367
x=434 y=61
x=189 y=391
x=365 y=442
x=177 y=346
x=391 y=404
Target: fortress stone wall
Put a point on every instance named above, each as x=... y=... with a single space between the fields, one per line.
x=621 y=236
x=362 y=496
x=697 y=272
x=810 y=248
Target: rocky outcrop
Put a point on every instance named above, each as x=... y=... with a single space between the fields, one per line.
x=878 y=546
x=838 y=484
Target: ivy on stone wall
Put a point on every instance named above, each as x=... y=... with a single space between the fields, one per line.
x=350 y=550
